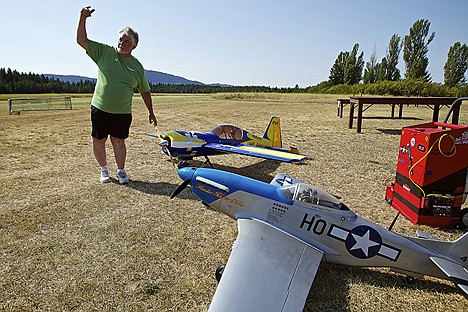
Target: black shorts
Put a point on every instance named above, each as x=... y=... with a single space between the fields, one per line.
x=105 y=124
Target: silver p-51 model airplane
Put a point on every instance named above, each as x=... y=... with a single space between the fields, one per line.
x=286 y=228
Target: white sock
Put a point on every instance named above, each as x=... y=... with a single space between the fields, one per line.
x=104 y=168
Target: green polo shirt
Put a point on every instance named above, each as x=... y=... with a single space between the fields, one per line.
x=118 y=77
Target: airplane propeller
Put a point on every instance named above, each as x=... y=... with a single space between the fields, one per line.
x=181 y=187
x=165 y=143
x=160 y=137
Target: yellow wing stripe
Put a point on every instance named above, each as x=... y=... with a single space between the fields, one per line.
x=259 y=150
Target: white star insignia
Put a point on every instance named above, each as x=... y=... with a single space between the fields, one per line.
x=363 y=243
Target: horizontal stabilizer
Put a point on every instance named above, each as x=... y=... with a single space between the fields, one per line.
x=422 y=234
x=457 y=273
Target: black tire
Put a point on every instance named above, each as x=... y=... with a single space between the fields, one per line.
x=219 y=272
x=182 y=164
x=410 y=280
x=464 y=217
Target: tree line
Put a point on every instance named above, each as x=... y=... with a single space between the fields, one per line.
x=14 y=82
x=349 y=69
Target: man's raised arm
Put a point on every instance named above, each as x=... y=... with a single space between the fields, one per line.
x=81 y=35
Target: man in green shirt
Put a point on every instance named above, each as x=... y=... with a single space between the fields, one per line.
x=119 y=74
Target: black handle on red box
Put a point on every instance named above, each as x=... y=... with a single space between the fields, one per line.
x=453 y=106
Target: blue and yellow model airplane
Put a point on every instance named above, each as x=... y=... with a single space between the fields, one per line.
x=182 y=145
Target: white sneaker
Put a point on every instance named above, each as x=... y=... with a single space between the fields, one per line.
x=122 y=177
x=105 y=177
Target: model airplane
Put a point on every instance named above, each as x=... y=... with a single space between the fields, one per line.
x=286 y=228
x=185 y=145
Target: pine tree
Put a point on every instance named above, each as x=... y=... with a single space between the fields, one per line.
x=347 y=68
x=393 y=54
x=456 y=65
x=337 y=71
x=372 y=69
x=415 y=49
x=382 y=70
x=354 y=66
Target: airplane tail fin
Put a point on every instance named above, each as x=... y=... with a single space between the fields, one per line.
x=459 y=249
x=456 y=250
x=457 y=271
x=273 y=132
x=455 y=263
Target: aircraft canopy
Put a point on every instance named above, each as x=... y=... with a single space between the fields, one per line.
x=229 y=132
x=312 y=195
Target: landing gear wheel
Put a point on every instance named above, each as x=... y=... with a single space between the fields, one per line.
x=183 y=164
x=464 y=217
x=219 y=272
x=410 y=280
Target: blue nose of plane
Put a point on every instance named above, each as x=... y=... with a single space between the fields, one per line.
x=186 y=173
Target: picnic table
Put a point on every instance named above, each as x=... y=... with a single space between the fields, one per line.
x=341 y=104
x=359 y=101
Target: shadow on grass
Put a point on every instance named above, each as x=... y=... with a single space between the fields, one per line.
x=330 y=290
x=260 y=171
x=155 y=188
x=390 y=131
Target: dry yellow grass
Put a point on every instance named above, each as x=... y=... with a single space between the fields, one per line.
x=67 y=242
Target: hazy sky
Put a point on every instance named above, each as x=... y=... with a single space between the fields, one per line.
x=238 y=42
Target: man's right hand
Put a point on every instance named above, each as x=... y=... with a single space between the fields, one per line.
x=87 y=11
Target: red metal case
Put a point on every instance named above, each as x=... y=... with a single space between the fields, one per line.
x=431 y=176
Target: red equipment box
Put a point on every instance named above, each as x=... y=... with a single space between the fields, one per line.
x=432 y=175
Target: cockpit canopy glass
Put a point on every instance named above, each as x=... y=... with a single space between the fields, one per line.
x=312 y=195
x=228 y=132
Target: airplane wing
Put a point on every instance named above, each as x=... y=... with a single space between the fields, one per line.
x=256 y=151
x=454 y=271
x=268 y=270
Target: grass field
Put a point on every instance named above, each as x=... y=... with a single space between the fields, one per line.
x=68 y=242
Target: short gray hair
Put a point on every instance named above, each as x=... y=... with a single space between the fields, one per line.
x=130 y=32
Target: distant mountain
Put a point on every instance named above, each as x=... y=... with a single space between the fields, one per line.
x=154 y=77
x=69 y=78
